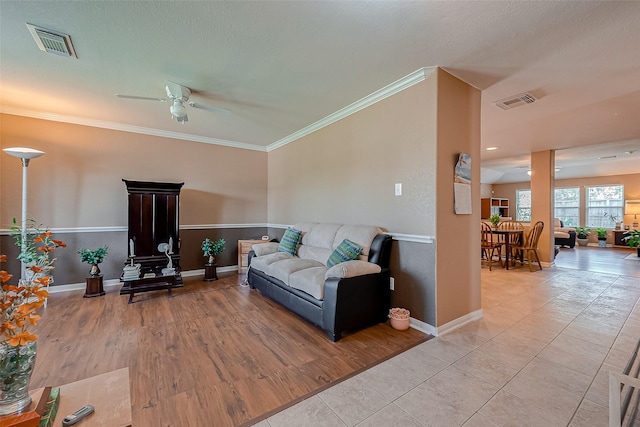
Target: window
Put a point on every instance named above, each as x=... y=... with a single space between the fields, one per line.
x=604 y=205
x=567 y=206
x=523 y=205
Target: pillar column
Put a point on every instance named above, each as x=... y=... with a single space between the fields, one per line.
x=542 y=200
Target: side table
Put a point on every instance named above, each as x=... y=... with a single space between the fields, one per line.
x=244 y=247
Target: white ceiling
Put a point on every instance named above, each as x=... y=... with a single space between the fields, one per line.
x=282 y=66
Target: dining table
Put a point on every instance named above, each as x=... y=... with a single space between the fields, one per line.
x=507 y=240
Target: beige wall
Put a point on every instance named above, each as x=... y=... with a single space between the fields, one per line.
x=458 y=266
x=78 y=182
x=346 y=172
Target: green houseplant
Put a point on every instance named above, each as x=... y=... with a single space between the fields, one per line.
x=93 y=257
x=602 y=237
x=582 y=235
x=211 y=249
x=495 y=219
x=633 y=238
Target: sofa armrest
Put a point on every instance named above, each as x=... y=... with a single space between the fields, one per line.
x=261 y=249
x=352 y=269
x=355 y=302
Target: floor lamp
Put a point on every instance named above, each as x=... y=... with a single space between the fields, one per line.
x=25 y=154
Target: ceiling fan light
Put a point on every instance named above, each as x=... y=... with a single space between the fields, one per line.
x=177 y=109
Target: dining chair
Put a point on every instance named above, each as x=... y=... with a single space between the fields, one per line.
x=514 y=239
x=530 y=245
x=489 y=246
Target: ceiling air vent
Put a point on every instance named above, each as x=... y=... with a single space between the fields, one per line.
x=516 y=101
x=52 y=41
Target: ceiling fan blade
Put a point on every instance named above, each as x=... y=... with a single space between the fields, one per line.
x=210 y=108
x=145 y=98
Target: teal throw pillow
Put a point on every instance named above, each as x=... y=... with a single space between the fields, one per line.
x=346 y=251
x=290 y=241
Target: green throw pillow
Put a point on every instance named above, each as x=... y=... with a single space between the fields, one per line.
x=346 y=251
x=290 y=240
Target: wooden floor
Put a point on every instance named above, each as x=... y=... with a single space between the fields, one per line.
x=215 y=354
x=599 y=260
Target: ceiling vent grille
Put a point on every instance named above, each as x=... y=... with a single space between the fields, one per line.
x=516 y=101
x=52 y=41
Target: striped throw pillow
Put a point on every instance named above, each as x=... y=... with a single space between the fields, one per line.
x=290 y=241
x=346 y=251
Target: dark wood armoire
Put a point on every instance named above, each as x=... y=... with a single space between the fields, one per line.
x=153 y=220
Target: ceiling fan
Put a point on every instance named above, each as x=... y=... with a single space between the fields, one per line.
x=179 y=97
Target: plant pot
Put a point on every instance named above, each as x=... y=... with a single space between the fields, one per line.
x=582 y=242
x=95 y=270
x=638 y=251
x=602 y=243
x=16 y=367
x=399 y=324
x=399 y=318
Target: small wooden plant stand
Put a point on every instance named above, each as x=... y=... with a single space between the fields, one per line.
x=94 y=287
x=210 y=273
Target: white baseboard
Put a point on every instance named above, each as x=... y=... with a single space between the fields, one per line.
x=447 y=327
x=116 y=282
x=459 y=322
x=423 y=327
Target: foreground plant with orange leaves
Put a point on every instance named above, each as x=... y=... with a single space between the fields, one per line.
x=18 y=303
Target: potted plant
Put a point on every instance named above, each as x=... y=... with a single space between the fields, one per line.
x=633 y=238
x=495 y=219
x=602 y=237
x=582 y=235
x=18 y=304
x=211 y=249
x=93 y=257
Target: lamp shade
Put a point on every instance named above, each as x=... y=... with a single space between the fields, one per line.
x=632 y=207
x=23 y=153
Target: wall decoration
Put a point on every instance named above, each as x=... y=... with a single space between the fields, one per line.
x=462 y=185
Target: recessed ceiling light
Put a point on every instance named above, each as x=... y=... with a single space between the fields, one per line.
x=491 y=148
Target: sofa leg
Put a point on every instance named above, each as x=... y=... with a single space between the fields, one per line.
x=332 y=336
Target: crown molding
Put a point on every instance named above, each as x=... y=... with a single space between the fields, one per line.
x=127 y=128
x=377 y=96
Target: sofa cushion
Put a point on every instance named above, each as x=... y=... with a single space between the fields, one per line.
x=312 y=252
x=290 y=241
x=263 y=262
x=361 y=235
x=319 y=235
x=352 y=269
x=345 y=251
x=309 y=280
x=282 y=269
x=261 y=249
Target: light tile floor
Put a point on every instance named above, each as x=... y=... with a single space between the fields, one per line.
x=540 y=356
